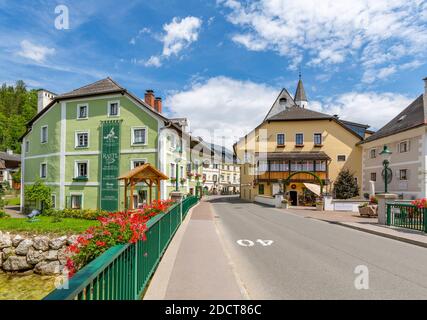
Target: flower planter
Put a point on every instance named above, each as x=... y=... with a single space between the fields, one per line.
x=319 y=206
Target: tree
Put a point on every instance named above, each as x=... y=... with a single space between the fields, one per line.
x=345 y=187
x=40 y=193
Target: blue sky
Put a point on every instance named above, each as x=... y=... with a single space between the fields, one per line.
x=222 y=63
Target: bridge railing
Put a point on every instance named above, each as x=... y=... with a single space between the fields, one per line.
x=406 y=215
x=123 y=271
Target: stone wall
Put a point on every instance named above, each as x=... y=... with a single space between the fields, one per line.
x=39 y=254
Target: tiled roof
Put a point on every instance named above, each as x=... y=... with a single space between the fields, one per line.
x=106 y=85
x=10 y=157
x=411 y=117
x=298 y=113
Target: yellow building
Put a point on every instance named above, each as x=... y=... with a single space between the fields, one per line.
x=301 y=147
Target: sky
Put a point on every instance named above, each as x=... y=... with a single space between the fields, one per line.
x=222 y=63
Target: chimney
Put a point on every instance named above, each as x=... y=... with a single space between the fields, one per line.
x=44 y=97
x=149 y=98
x=158 y=104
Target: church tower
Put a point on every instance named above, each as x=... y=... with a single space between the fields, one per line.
x=300 y=96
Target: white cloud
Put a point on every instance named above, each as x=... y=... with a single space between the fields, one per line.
x=374 y=109
x=333 y=32
x=233 y=107
x=178 y=35
x=35 y=52
x=154 y=61
x=139 y=35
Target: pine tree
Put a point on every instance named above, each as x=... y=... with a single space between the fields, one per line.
x=345 y=187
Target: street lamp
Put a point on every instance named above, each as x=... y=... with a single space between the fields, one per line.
x=387 y=173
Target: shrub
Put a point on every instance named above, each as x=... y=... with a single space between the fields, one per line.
x=87 y=214
x=373 y=200
x=41 y=193
x=116 y=228
x=3 y=215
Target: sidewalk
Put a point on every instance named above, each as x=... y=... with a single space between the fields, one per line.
x=369 y=225
x=195 y=266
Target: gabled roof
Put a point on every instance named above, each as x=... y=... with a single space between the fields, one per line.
x=103 y=86
x=411 y=117
x=284 y=100
x=300 y=92
x=10 y=157
x=298 y=113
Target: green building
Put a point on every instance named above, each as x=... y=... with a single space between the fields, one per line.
x=80 y=142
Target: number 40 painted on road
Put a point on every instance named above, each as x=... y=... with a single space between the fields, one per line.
x=249 y=243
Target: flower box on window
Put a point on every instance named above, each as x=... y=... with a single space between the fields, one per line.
x=80 y=179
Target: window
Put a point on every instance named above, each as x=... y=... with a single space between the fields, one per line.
x=403 y=174
x=308 y=166
x=44 y=134
x=43 y=170
x=82 y=111
x=76 y=201
x=279 y=166
x=82 y=139
x=299 y=139
x=321 y=166
x=81 y=169
x=404 y=146
x=373 y=153
x=280 y=139
x=373 y=176
x=260 y=189
x=27 y=146
x=262 y=166
x=137 y=162
x=318 y=139
x=173 y=173
x=139 y=136
x=297 y=165
x=113 y=109
x=53 y=197
x=341 y=158
x=215 y=178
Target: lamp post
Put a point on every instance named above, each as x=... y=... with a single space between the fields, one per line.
x=387 y=174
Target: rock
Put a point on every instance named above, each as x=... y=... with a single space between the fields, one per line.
x=58 y=243
x=23 y=247
x=16 y=263
x=17 y=240
x=52 y=255
x=5 y=240
x=48 y=268
x=7 y=252
x=72 y=239
x=1 y=259
x=41 y=243
x=35 y=256
x=62 y=255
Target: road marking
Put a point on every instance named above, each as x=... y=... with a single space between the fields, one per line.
x=250 y=243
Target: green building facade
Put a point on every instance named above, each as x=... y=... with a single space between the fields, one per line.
x=80 y=140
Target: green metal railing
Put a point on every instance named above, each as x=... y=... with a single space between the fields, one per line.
x=123 y=271
x=407 y=216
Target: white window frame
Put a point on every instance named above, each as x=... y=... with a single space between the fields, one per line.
x=78 y=111
x=118 y=108
x=47 y=134
x=133 y=136
x=370 y=153
x=76 y=140
x=132 y=162
x=314 y=139
x=299 y=144
x=40 y=173
x=407 y=146
x=172 y=172
x=406 y=175
x=27 y=146
x=284 y=139
x=77 y=194
x=370 y=176
x=53 y=196
x=76 y=168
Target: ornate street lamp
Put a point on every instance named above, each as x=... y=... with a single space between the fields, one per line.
x=387 y=174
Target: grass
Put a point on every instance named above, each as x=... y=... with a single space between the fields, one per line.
x=45 y=225
x=13 y=201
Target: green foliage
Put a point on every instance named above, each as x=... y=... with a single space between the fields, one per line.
x=87 y=214
x=3 y=215
x=345 y=187
x=2 y=203
x=39 y=192
x=16 y=176
x=17 y=107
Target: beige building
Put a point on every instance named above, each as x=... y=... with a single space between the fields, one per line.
x=406 y=137
x=299 y=144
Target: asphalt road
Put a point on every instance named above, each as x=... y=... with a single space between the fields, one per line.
x=311 y=259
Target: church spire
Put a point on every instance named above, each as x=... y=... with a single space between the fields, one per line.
x=300 y=96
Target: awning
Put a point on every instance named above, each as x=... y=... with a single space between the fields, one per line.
x=315 y=188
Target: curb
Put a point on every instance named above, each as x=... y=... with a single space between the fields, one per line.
x=381 y=234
